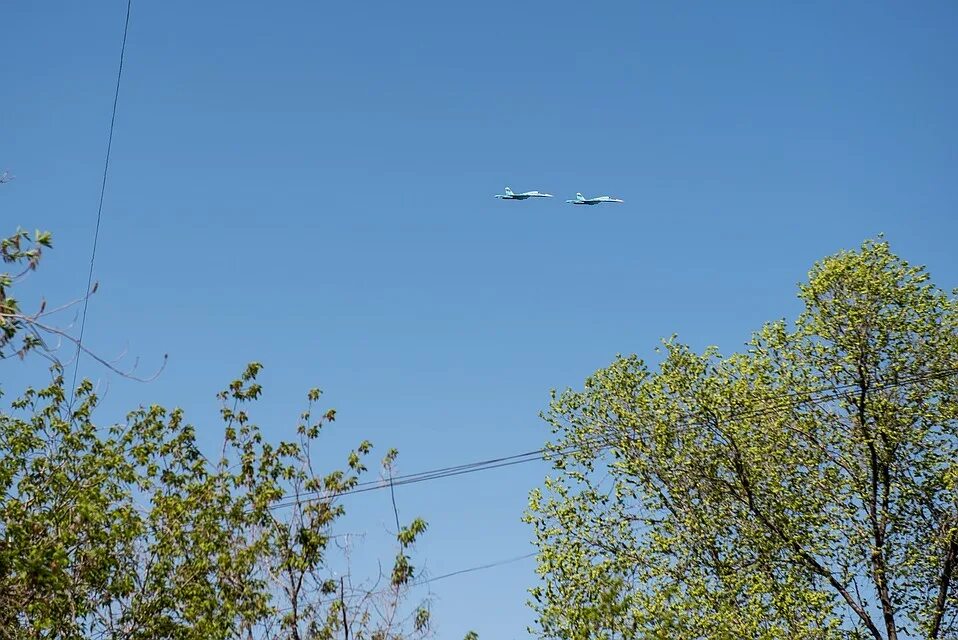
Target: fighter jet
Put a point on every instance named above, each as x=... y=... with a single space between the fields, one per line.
x=509 y=195
x=599 y=200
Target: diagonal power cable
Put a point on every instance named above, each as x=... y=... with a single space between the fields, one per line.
x=99 y=210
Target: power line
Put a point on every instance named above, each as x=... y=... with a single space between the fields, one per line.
x=481 y=567
x=434 y=474
x=824 y=395
x=99 y=211
x=419 y=583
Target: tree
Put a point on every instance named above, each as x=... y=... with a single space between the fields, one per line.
x=131 y=531
x=805 y=488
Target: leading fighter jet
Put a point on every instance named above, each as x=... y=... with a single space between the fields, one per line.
x=510 y=195
x=599 y=200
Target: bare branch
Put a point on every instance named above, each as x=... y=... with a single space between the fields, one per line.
x=40 y=326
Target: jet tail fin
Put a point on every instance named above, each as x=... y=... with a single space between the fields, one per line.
x=509 y=191
x=579 y=197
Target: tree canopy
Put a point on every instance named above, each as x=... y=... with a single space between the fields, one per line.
x=131 y=530
x=806 y=487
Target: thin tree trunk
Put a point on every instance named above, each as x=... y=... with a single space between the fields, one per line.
x=342 y=605
x=879 y=472
x=951 y=556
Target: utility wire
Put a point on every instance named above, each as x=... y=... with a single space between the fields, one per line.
x=435 y=474
x=481 y=567
x=99 y=210
x=817 y=397
x=419 y=583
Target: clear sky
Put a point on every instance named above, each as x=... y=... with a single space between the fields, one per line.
x=310 y=185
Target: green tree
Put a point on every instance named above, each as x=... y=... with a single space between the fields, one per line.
x=131 y=531
x=804 y=488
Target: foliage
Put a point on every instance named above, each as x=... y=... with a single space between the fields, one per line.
x=806 y=488
x=24 y=253
x=131 y=531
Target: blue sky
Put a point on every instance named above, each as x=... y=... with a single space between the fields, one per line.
x=310 y=185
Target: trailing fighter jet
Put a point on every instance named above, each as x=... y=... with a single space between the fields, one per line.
x=509 y=195
x=581 y=200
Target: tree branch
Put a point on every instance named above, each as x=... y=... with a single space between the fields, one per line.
x=31 y=321
x=944 y=583
x=879 y=474
x=808 y=558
